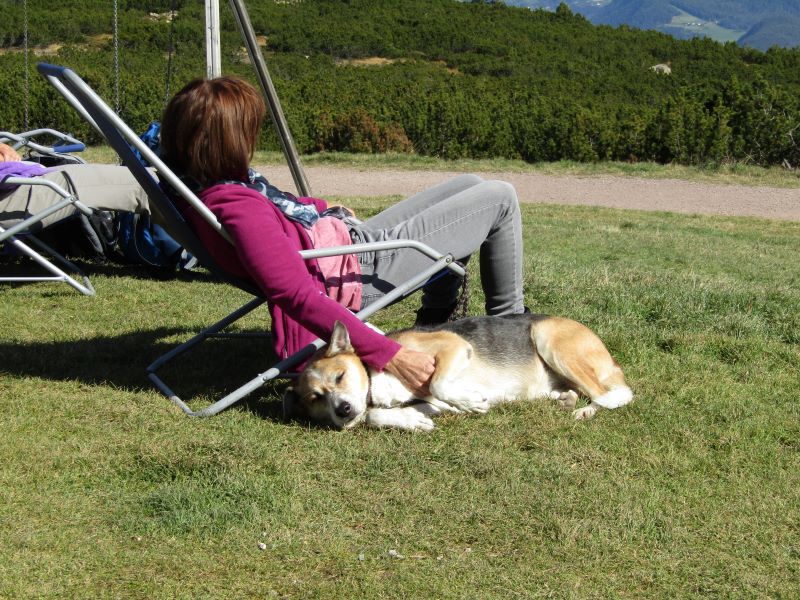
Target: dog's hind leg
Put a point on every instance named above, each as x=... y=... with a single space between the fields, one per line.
x=566 y=400
x=577 y=355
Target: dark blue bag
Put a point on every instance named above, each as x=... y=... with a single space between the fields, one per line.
x=140 y=240
x=143 y=242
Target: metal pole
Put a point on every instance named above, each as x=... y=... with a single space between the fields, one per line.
x=284 y=135
x=213 y=50
x=27 y=100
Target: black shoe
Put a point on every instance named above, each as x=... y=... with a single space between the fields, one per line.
x=434 y=316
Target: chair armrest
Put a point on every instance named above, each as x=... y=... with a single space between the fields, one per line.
x=378 y=246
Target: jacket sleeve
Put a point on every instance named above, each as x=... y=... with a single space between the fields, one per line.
x=271 y=258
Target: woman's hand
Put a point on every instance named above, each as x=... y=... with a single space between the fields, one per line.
x=413 y=369
x=339 y=211
x=8 y=154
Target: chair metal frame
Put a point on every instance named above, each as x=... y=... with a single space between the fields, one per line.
x=61 y=149
x=58 y=151
x=124 y=140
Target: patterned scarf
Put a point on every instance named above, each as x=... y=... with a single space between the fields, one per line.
x=288 y=204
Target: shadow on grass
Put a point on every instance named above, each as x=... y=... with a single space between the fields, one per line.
x=202 y=375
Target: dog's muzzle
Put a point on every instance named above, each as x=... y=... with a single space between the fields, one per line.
x=347 y=415
x=344 y=410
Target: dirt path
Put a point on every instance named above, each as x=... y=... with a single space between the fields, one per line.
x=618 y=192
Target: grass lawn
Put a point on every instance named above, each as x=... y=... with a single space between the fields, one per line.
x=107 y=490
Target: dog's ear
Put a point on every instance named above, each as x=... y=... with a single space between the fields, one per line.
x=292 y=407
x=340 y=341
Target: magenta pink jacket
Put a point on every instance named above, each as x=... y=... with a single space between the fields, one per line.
x=266 y=252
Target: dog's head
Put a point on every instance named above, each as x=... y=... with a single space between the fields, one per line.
x=333 y=388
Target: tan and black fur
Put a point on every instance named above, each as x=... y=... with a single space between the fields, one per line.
x=480 y=362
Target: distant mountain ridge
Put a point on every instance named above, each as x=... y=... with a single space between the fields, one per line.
x=759 y=25
x=775 y=31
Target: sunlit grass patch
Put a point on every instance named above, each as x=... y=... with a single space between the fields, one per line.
x=106 y=489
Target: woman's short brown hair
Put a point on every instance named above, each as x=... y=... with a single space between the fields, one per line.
x=210 y=128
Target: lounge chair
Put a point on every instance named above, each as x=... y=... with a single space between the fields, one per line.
x=124 y=141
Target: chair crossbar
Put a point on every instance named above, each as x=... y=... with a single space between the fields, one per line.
x=59 y=275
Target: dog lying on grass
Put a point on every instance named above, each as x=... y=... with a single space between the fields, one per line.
x=480 y=362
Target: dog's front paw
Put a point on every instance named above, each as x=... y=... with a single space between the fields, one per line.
x=472 y=403
x=418 y=422
x=433 y=406
x=463 y=397
x=407 y=418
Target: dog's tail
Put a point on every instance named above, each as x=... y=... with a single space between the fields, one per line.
x=618 y=394
x=575 y=353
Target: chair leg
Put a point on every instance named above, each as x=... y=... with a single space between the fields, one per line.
x=278 y=370
x=58 y=274
x=200 y=337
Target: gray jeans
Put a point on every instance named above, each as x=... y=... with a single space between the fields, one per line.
x=460 y=216
x=104 y=187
